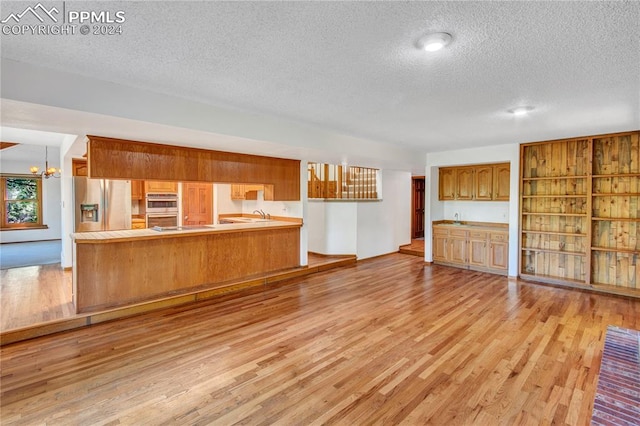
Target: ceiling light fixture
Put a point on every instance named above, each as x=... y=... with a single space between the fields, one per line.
x=433 y=42
x=520 y=111
x=48 y=171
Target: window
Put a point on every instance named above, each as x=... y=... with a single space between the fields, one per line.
x=22 y=202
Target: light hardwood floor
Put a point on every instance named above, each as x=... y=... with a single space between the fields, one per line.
x=387 y=341
x=40 y=294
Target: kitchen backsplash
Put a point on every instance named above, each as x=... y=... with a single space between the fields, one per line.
x=477 y=211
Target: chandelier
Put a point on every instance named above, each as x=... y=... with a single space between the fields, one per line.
x=48 y=171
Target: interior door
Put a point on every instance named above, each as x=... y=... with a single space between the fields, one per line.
x=197 y=203
x=417 y=202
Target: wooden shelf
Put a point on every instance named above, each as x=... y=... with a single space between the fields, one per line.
x=615 y=250
x=539 y=250
x=606 y=182
x=554 y=177
x=618 y=219
x=569 y=234
x=555 y=214
x=553 y=279
x=555 y=196
x=619 y=175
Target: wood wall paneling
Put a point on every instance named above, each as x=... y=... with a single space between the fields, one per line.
x=125 y=272
x=123 y=159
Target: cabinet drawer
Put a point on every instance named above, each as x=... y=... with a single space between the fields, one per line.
x=478 y=235
x=499 y=237
x=458 y=233
x=440 y=231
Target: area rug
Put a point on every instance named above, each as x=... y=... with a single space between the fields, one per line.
x=617 y=400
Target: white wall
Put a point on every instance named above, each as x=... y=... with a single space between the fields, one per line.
x=51 y=198
x=474 y=210
x=368 y=228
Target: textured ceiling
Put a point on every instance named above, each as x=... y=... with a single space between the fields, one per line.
x=352 y=66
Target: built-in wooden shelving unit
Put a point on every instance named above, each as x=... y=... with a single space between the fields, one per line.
x=580 y=212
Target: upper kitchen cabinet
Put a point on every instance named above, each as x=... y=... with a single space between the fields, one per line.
x=501 y=182
x=137 y=190
x=238 y=192
x=487 y=182
x=483 y=183
x=123 y=159
x=447 y=183
x=464 y=183
x=250 y=192
x=79 y=167
x=160 y=186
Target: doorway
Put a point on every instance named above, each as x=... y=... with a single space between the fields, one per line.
x=417 y=207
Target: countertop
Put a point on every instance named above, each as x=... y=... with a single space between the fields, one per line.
x=148 y=233
x=489 y=226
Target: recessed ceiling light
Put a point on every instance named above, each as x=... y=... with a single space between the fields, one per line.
x=433 y=42
x=522 y=110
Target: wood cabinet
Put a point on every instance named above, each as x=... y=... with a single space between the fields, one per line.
x=498 y=256
x=483 y=183
x=238 y=192
x=124 y=159
x=580 y=212
x=488 y=182
x=78 y=167
x=138 y=224
x=137 y=190
x=447 y=183
x=160 y=186
x=501 y=182
x=250 y=191
x=440 y=246
x=471 y=247
x=478 y=248
x=458 y=246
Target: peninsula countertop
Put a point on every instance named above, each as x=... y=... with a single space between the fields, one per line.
x=102 y=237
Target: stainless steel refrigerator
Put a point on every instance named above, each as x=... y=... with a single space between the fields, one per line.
x=101 y=204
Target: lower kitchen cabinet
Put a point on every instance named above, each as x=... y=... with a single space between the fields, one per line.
x=471 y=247
x=458 y=246
x=478 y=248
x=499 y=250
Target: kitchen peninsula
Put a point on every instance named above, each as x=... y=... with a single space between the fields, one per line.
x=121 y=268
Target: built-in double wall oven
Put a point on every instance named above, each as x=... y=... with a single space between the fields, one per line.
x=161 y=209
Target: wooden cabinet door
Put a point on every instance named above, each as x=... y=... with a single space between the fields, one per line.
x=457 y=247
x=136 y=190
x=483 y=183
x=478 y=248
x=268 y=192
x=79 y=167
x=197 y=203
x=159 y=186
x=501 y=180
x=464 y=183
x=440 y=252
x=499 y=251
x=447 y=184
x=238 y=192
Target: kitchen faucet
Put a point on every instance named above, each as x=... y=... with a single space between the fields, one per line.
x=456 y=218
x=261 y=213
